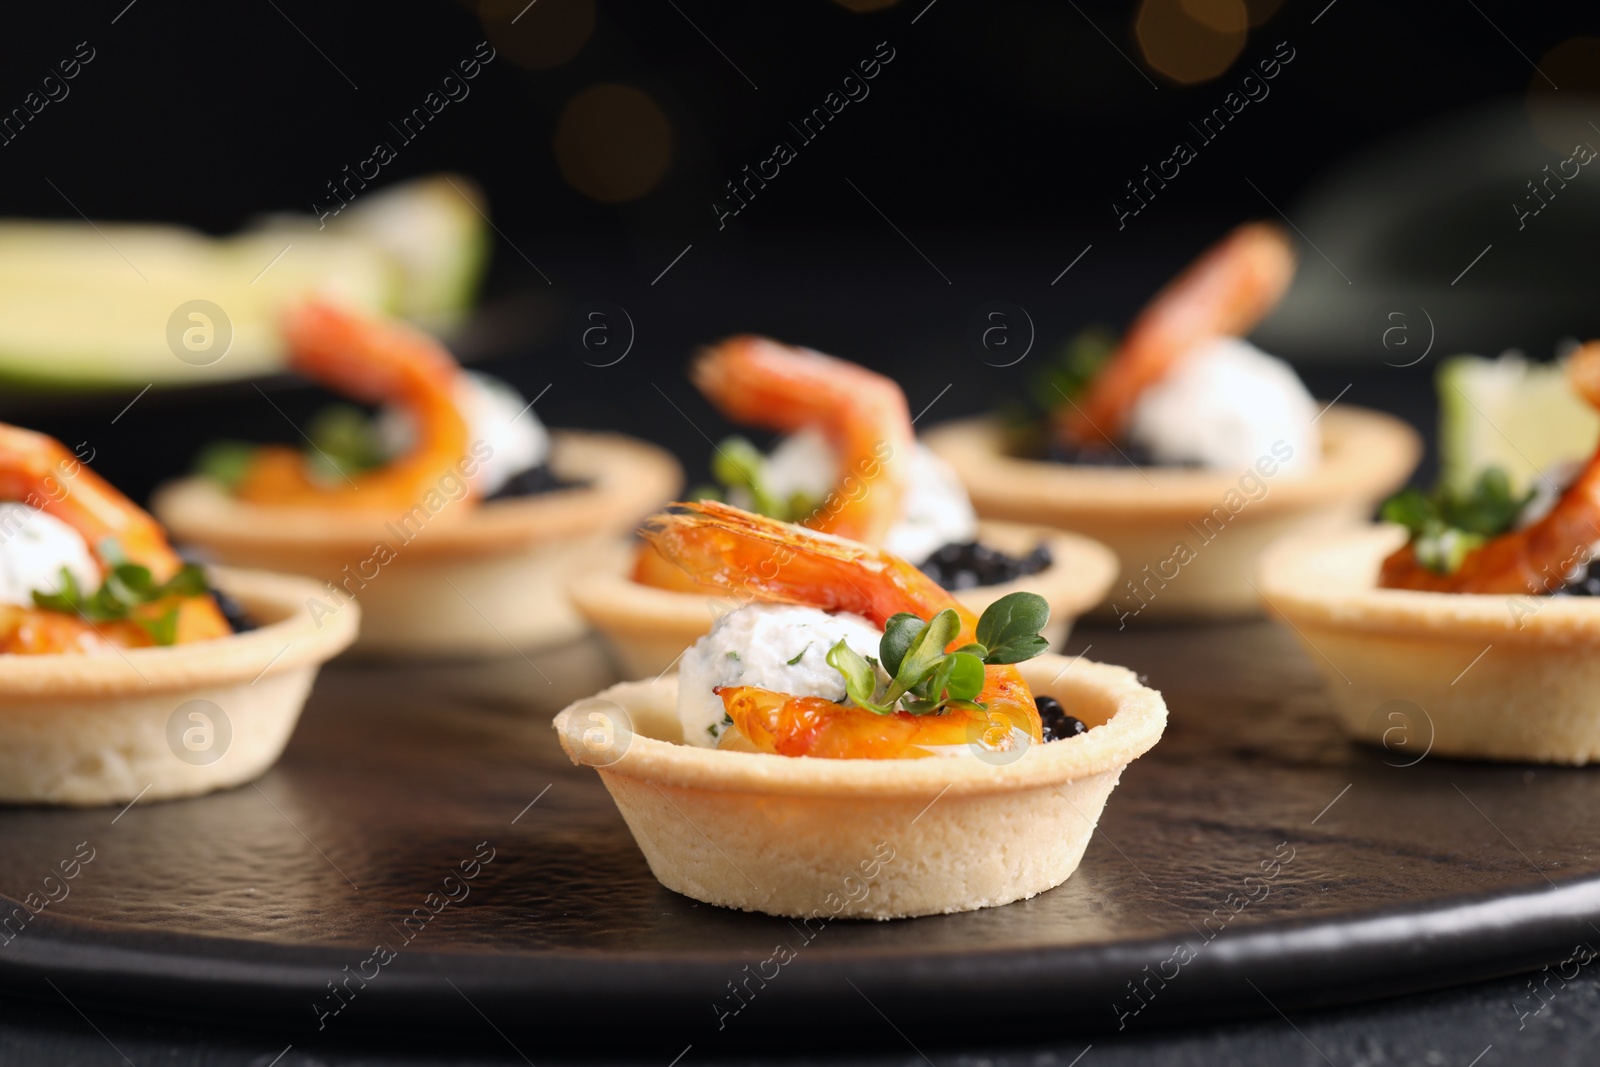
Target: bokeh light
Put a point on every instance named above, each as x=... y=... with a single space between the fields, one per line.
x=537 y=35
x=1262 y=10
x=1191 y=41
x=1560 y=116
x=613 y=143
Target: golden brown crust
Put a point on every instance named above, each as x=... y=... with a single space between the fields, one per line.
x=623 y=480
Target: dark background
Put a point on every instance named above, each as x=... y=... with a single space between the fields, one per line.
x=1010 y=117
x=995 y=141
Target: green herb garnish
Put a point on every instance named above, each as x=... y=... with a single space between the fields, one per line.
x=860 y=677
x=1008 y=630
x=926 y=680
x=127 y=587
x=225 y=461
x=1056 y=379
x=344 y=441
x=738 y=466
x=1447 y=523
x=797 y=655
x=1075 y=365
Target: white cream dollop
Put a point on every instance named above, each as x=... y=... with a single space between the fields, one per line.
x=34 y=547
x=497 y=415
x=753 y=645
x=1225 y=406
x=935 y=512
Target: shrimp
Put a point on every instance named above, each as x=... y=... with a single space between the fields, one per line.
x=376 y=362
x=775 y=561
x=40 y=472
x=862 y=414
x=1224 y=293
x=650 y=569
x=1537 y=558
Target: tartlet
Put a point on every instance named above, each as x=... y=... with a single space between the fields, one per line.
x=849 y=466
x=794 y=836
x=453 y=515
x=1144 y=515
x=471 y=580
x=646 y=629
x=1179 y=444
x=93 y=730
x=1503 y=677
x=1469 y=620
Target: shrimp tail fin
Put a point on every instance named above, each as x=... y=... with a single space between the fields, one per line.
x=366 y=358
x=1224 y=293
x=725 y=545
x=758 y=558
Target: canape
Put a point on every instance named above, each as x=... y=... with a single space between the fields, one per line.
x=124 y=673
x=889 y=759
x=1474 y=610
x=1182 y=447
x=852 y=467
x=454 y=516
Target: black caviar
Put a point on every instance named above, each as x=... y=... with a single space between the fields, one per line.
x=1104 y=454
x=1056 y=722
x=1587 y=583
x=531 y=482
x=969 y=564
x=234 y=612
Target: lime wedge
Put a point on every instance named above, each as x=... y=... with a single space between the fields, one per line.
x=436 y=231
x=96 y=305
x=1510 y=413
x=118 y=304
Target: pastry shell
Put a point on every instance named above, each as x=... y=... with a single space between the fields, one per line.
x=647 y=628
x=469 y=580
x=1144 y=515
x=881 y=839
x=1451 y=674
x=107 y=729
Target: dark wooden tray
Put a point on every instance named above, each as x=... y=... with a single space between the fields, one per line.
x=1254 y=861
